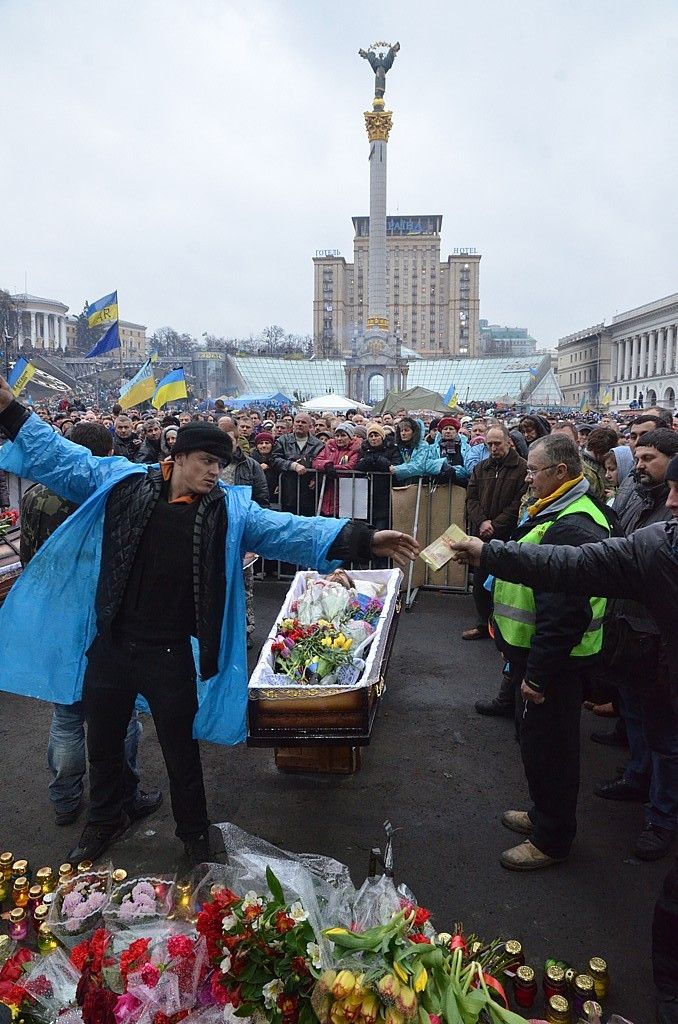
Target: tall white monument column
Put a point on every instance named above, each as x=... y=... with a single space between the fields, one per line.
x=660 y=352
x=642 y=369
x=378 y=123
x=33 y=330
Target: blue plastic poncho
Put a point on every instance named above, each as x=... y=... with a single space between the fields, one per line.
x=48 y=622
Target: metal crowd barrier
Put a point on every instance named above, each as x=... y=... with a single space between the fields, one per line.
x=423 y=508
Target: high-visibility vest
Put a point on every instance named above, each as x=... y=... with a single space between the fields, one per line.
x=514 y=609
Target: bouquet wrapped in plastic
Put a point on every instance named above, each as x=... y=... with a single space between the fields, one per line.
x=78 y=906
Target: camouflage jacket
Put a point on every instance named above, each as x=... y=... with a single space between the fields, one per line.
x=42 y=511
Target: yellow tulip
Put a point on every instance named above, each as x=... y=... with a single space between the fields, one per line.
x=352 y=1006
x=343 y=984
x=420 y=980
x=337 y=1015
x=388 y=988
x=327 y=980
x=402 y=974
x=406 y=1003
x=393 y=1017
x=336 y=931
x=370 y=1008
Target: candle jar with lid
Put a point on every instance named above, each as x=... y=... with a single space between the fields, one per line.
x=20 y=869
x=45 y=877
x=40 y=916
x=524 y=987
x=514 y=953
x=119 y=876
x=5 y=888
x=66 y=872
x=601 y=978
x=558 y=1010
x=554 y=982
x=6 y=861
x=34 y=898
x=83 y=866
x=20 y=892
x=583 y=991
x=592 y=1013
x=46 y=941
x=18 y=924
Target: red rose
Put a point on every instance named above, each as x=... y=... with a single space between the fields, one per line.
x=78 y=955
x=134 y=956
x=179 y=945
x=150 y=975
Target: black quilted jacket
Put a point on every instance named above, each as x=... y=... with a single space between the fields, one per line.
x=128 y=510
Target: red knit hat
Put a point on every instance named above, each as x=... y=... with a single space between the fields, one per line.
x=449 y=421
x=264 y=435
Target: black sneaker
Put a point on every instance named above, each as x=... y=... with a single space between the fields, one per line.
x=144 y=804
x=495 y=708
x=95 y=840
x=653 y=843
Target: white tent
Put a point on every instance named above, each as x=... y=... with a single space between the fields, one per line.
x=332 y=403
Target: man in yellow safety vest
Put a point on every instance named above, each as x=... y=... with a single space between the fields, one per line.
x=549 y=639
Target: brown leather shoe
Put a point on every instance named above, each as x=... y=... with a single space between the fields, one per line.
x=475 y=634
x=518 y=821
x=526 y=857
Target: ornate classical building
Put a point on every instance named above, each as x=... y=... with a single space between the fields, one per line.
x=645 y=355
x=42 y=322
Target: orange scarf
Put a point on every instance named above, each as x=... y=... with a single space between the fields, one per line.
x=542 y=503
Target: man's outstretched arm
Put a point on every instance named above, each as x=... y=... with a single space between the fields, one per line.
x=40 y=453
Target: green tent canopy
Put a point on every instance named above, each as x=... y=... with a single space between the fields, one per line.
x=412 y=399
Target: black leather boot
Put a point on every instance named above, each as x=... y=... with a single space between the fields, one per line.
x=503 y=705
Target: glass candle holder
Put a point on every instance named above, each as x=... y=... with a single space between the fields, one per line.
x=40 y=916
x=18 y=924
x=83 y=866
x=6 y=861
x=20 y=892
x=20 y=869
x=34 y=898
x=65 y=873
x=45 y=878
x=46 y=941
x=5 y=888
x=601 y=978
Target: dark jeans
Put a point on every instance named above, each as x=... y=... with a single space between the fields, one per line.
x=165 y=676
x=549 y=744
x=482 y=598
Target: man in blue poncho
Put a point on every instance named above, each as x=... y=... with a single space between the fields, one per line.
x=141 y=531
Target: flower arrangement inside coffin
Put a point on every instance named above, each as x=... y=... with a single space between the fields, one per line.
x=321 y=667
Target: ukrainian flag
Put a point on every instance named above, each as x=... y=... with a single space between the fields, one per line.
x=103 y=311
x=140 y=388
x=108 y=341
x=170 y=388
x=21 y=373
x=584 y=404
x=607 y=397
x=451 y=399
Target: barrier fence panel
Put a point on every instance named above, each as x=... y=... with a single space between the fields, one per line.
x=372 y=498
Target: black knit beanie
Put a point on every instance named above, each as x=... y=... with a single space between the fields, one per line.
x=672 y=470
x=203 y=437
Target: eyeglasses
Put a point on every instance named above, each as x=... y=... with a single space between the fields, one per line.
x=533 y=472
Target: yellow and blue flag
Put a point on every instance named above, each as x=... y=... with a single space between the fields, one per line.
x=533 y=371
x=170 y=388
x=451 y=399
x=584 y=404
x=109 y=340
x=20 y=374
x=607 y=397
x=103 y=311
x=140 y=388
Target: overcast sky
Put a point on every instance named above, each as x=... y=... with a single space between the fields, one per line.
x=195 y=154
